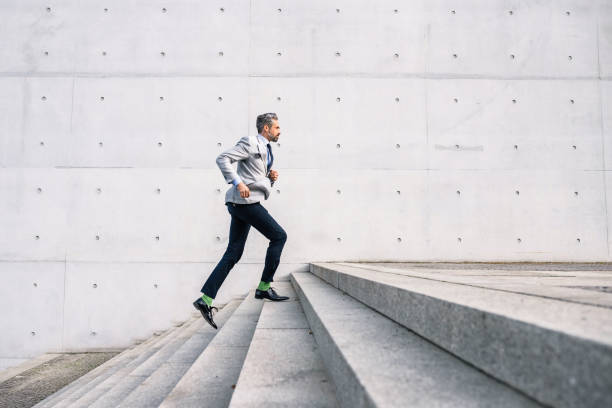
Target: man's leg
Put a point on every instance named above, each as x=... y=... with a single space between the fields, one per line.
x=263 y=222
x=239 y=231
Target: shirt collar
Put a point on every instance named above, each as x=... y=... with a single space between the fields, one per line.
x=263 y=139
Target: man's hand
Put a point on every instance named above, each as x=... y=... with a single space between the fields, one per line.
x=244 y=190
x=273 y=175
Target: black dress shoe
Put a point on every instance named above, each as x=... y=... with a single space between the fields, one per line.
x=207 y=311
x=269 y=294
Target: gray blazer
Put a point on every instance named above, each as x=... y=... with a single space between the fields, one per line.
x=252 y=158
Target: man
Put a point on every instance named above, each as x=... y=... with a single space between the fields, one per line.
x=251 y=182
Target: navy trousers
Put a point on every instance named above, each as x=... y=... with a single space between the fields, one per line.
x=243 y=216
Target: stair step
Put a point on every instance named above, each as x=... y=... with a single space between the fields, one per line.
x=283 y=366
x=101 y=372
x=557 y=351
x=130 y=382
x=212 y=377
x=376 y=362
x=84 y=399
x=152 y=391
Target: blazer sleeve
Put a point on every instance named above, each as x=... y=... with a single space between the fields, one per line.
x=239 y=152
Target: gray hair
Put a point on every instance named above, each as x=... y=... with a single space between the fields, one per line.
x=265 y=119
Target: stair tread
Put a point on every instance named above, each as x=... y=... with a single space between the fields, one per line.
x=82 y=385
x=213 y=375
x=126 y=355
x=580 y=320
x=375 y=361
x=152 y=391
x=283 y=366
x=129 y=382
x=555 y=350
x=89 y=394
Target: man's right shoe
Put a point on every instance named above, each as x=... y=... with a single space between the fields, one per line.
x=269 y=294
x=207 y=311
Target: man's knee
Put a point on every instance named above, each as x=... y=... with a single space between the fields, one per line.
x=281 y=236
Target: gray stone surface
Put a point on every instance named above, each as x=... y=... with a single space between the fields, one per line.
x=375 y=362
x=121 y=390
x=283 y=367
x=445 y=146
x=555 y=350
x=32 y=385
x=12 y=371
x=98 y=374
x=287 y=314
x=212 y=377
x=581 y=285
x=90 y=394
x=497 y=267
x=152 y=391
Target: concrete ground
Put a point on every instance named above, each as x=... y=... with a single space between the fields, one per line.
x=31 y=386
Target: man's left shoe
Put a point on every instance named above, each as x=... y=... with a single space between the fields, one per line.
x=269 y=294
x=207 y=311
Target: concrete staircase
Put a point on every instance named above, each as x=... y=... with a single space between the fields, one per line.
x=357 y=335
x=263 y=352
x=530 y=336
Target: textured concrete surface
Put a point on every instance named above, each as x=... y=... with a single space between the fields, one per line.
x=589 y=284
x=421 y=130
x=31 y=386
x=100 y=372
x=497 y=267
x=26 y=365
x=88 y=393
x=213 y=376
x=131 y=381
x=283 y=367
x=159 y=384
x=553 y=348
x=376 y=362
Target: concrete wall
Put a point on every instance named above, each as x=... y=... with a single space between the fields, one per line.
x=410 y=130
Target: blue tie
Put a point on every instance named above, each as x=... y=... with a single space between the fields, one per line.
x=270 y=157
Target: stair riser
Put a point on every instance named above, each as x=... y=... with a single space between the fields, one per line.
x=284 y=338
x=350 y=392
x=91 y=380
x=552 y=367
x=224 y=356
x=66 y=391
x=152 y=391
x=88 y=398
x=131 y=381
x=375 y=361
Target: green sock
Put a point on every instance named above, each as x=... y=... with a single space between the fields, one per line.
x=263 y=285
x=207 y=299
